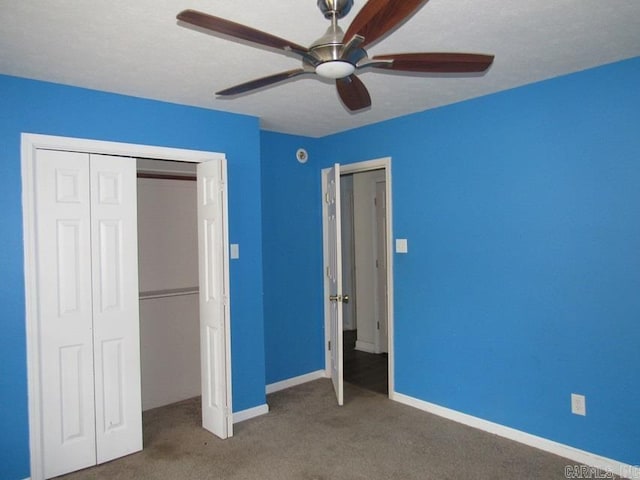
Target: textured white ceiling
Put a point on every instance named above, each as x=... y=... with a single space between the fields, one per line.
x=137 y=48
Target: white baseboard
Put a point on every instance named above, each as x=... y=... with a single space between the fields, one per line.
x=243 y=415
x=365 y=346
x=292 y=382
x=562 y=450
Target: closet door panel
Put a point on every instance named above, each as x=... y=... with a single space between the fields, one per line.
x=115 y=307
x=214 y=320
x=65 y=310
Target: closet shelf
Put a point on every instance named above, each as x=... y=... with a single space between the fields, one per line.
x=172 y=292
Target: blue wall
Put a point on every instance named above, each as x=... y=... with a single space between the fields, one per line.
x=37 y=107
x=522 y=281
x=294 y=336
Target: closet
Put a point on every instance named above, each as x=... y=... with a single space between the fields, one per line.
x=82 y=315
x=86 y=262
x=168 y=282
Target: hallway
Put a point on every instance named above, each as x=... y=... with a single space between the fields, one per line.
x=365 y=370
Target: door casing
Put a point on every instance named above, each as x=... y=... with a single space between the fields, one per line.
x=381 y=282
x=365 y=166
x=30 y=143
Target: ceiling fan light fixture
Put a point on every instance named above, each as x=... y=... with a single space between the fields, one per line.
x=335 y=69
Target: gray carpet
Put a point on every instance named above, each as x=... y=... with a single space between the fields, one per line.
x=307 y=437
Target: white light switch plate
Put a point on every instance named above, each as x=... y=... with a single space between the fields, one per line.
x=235 y=251
x=401 y=245
x=578 y=404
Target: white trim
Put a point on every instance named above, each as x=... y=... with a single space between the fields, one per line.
x=30 y=143
x=292 y=382
x=365 y=166
x=250 y=413
x=51 y=142
x=31 y=309
x=366 y=346
x=376 y=164
x=560 y=449
x=227 y=287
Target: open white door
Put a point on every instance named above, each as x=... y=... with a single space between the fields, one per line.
x=213 y=261
x=334 y=274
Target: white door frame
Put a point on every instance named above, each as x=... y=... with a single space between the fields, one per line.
x=30 y=143
x=377 y=164
x=377 y=340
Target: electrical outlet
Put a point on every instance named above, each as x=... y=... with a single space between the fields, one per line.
x=578 y=404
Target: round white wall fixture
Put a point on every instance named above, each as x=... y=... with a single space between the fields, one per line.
x=302 y=156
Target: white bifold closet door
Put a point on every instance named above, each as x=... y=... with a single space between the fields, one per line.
x=215 y=337
x=87 y=271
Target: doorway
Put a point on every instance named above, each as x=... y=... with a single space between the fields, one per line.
x=340 y=311
x=364 y=260
x=213 y=273
x=168 y=282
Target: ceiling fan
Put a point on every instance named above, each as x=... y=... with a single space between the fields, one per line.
x=338 y=55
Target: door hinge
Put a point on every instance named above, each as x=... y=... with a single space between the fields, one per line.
x=377 y=264
x=378 y=325
x=375 y=202
x=329 y=345
x=326 y=197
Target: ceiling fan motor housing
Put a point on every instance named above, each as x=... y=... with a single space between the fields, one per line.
x=328 y=46
x=328 y=50
x=339 y=8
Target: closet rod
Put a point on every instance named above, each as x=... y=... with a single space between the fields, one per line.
x=174 y=292
x=167 y=176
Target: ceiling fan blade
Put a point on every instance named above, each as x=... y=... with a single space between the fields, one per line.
x=435 y=62
x=227 y=27
x=353 y=93
x=262 y=82
x=379 y=17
